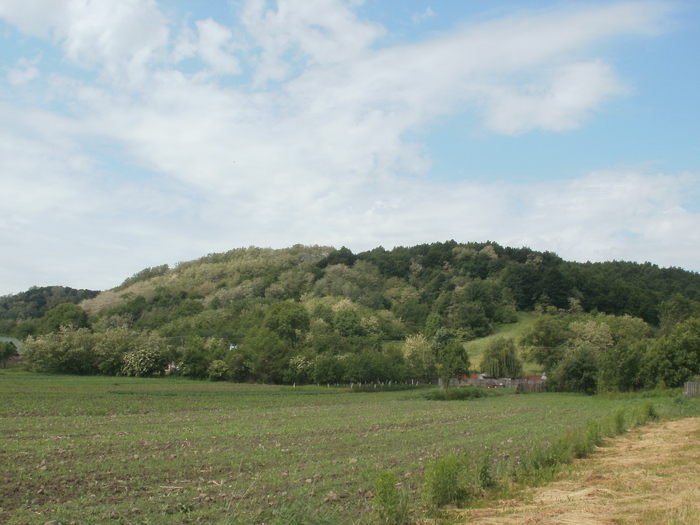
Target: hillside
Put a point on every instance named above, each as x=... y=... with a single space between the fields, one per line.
x=314 y=313
x=20 y=313
x=412 y=282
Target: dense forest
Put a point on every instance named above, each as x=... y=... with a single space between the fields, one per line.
x=319 y=314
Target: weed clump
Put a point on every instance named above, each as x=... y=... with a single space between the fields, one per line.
x=645 y=413
x=587 y=440
x=542 y=461
x=486 y=478
x=445 y=482
x=618 y=422
x=390 y=503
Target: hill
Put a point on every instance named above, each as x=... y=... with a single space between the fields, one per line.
x=475 y=285
x=20 y=312
x=320 y=314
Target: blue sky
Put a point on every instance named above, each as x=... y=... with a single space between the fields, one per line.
x=143 y=132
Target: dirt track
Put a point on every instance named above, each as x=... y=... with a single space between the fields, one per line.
x=649 y=476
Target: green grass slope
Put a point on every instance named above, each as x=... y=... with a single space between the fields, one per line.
x=476 y=348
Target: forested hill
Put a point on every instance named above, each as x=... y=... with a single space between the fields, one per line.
x=19 y=313
x=467 y=287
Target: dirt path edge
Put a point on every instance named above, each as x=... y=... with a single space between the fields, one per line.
x=650 y=475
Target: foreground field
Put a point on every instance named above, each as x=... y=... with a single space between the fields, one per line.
x=647 y=477
x=162 y=451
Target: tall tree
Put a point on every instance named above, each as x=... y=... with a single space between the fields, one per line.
x=544 y=342
x=675 y=359
x=289 y=320
x=7 y=350
x=419 y=356
x=500 y=359
x=64 y=315
x=676 y=310
x=450 y=356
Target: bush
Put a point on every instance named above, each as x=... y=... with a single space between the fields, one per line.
x=577 y=372
x=218 y=370
x=68 y=351
x=151 y=359
x=390 y=503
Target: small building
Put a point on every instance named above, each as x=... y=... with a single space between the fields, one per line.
x=14 y=358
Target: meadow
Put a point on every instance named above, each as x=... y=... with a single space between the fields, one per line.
x=162 y=451
x=476 y=347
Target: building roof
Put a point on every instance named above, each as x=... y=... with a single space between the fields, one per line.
x=14 y=341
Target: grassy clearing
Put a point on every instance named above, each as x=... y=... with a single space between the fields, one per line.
x=476 y=348
x=163 y=451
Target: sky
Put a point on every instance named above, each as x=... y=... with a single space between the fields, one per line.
x=136 y=133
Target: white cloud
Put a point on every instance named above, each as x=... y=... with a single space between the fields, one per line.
x=571 y=95
x=321 y=33
x=212 y=44
x=119 y=39
x=614 y=215
x=308 y=146
x=425 y=15
x=26 y=71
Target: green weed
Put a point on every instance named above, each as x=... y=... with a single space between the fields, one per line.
x=390 y=503
x=486 y=478
x=645 y=413
x=445 y=482
x=587 y=440
x=618 y=422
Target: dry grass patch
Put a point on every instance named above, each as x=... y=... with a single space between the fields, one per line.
x=646 y=477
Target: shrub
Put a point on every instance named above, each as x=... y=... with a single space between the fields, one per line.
x=577 y=371
x=587 y=440
x=150 y=359
x=68 y=351
x=218 y=370
x=545 y=459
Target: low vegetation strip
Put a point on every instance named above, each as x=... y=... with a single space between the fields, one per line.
x=646 y=477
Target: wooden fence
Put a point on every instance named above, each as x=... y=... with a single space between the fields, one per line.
x=692 y=388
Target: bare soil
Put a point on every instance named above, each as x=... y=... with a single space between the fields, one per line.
x=651 y=475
